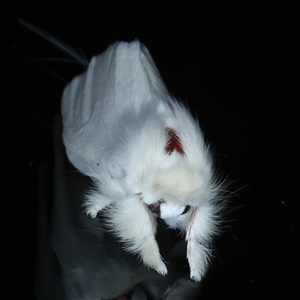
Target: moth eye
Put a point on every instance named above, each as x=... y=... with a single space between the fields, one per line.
x=186 y=209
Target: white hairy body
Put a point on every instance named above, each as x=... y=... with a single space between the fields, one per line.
x=145 y=154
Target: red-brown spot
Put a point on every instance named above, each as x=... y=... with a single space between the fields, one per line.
x=174 y=143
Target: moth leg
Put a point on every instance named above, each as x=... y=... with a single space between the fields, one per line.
x=151 y=257
x=200 y=227
x=133 y=222
x=94 y=203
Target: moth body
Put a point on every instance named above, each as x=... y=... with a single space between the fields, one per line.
x=145 y=153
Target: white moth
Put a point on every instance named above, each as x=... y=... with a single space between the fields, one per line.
x=145 y=154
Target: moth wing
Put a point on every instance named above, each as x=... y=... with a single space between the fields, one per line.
x=122 y=78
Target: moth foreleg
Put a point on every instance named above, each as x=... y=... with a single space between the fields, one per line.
x=200 y=228
x=132 y=222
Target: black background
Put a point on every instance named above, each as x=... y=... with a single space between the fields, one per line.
x=234 y=64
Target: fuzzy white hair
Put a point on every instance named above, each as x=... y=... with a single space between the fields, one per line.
x=145 y=154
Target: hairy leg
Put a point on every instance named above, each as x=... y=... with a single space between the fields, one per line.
x=132 y=222
x=94 y=203
x=200 y=227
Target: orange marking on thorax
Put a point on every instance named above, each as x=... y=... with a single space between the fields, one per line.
x=174 y=143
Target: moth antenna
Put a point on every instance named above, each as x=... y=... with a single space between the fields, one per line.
x=174 y=143
x=64 y=47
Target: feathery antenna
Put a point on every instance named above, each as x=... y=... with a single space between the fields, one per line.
x=64 y=47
